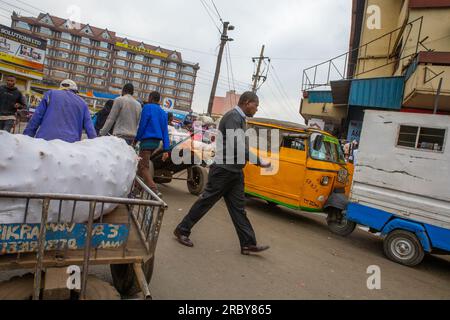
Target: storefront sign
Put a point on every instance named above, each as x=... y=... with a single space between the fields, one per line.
x=142 y=50
x=23 y=54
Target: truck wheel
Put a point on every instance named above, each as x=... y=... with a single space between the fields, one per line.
x=124 y=279
x=197 y=184
x=403 y=247
x=338 y=224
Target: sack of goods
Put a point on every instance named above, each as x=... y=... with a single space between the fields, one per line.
x=103 y=167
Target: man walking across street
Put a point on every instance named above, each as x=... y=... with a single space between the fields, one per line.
x=124 y=116
x=11 y=99
x=153 y=129
x=62 y=114
x=226 y=179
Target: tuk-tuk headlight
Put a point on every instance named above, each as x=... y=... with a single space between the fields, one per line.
x=325 y=181
x=342 y=176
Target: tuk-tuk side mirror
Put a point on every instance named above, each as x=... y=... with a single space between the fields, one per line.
x=318 y=143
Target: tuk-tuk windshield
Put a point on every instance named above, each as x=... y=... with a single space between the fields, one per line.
x=330 y=149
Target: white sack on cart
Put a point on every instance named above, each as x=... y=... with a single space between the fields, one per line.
x=100 y=167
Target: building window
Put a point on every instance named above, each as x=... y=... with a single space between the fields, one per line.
x=66 y=36
x=184 y=95
x=62 y=54
x=117 y=81
x=84 y=50
x=138 y=66
x=122 y=54
x=85 y=40
x=101 y=63
x=99 y=82
x=45 y=30
x=83 y=59
x=79 y=78
x=104 y=45
x=136 y=84
x=119 y=71
x=156 y=62
x=171 y=74
x=139 y=58
x=137 y=75
x=169 y=91
x=421 y=138
x=121 y=63
x=172 y=65
x=186 y=86
x=59 y=74
x=153 y=79
x=169 y=82
x=80 y=68
x=64 y=45
x=103 y=54
x=187 y=78
x=100 y=72
x=23 y=25
x=151 y=87
x=155 y=70
x=188 y=69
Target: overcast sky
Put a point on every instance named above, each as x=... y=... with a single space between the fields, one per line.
x=297 y=34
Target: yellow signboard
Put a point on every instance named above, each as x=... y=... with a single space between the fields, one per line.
x=141 y=50
x=21 y=71
x=21 y=62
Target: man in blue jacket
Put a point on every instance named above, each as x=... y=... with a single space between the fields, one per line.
x=153 y=128
x=62 y=115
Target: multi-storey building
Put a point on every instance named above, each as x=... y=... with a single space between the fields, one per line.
x=399 y=60
x=101 y=62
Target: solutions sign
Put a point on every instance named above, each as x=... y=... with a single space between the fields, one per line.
x=21 y=53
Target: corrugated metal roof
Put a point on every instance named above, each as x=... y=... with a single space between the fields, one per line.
x=320 y=97
x=384 y=93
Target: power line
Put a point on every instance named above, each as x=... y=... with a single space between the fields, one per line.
x=14 y=6
x=217 y=11
x=231 y=66
x=209 y=14
x=29 y=5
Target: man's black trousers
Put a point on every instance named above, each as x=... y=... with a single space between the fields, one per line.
x=230 y=186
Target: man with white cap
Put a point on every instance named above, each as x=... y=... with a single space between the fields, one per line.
x=62 y=114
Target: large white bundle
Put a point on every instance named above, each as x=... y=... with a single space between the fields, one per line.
x=101 y=167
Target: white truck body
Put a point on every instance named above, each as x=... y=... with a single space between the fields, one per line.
x=410 y=182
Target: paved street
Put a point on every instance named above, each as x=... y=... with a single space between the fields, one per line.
x=305 y=262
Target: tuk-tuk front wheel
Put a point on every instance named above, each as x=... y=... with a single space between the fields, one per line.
x=403 y=247
x=197 y=179
x=338 y=223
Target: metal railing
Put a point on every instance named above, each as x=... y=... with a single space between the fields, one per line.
x=144 y=208
x=341 y=68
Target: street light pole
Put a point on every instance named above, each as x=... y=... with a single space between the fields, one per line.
x=224 y=39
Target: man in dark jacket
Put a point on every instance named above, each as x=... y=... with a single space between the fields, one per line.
x=102 y=116
x=226 y=178
x=11 y=99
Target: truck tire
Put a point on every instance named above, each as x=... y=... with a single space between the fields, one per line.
x=124 y=279
x=199 y=179
x=338 y=224
x=403 y=247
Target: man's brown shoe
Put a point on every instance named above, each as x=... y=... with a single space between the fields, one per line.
x=253 y=249
x=183 y=239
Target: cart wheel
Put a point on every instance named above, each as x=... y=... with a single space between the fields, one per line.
x=338 y=224
x=403 y=247
x=21 y=288
x=124 y=278
x=17 y=288
x=199 y=179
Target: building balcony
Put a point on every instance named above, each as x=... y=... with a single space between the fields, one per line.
x=422 y=81
x=319 y=105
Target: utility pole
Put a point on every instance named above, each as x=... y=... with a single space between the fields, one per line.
x=223 y=41
x=257 y=77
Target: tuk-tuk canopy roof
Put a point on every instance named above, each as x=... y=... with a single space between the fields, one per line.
x=285 y=124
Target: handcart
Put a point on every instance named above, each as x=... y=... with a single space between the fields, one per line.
x=125 y=239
